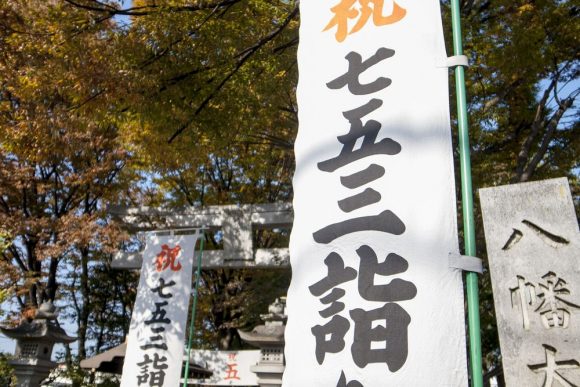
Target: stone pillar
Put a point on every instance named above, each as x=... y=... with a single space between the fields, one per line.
x=533 y=249
x=31 y=372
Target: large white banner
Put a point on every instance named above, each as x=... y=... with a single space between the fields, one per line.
x=373 y=301
x=155 y=345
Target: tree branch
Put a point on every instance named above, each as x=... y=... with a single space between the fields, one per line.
x=150 y=9
x=242 y=58
x=536 y=126
x=551 y=128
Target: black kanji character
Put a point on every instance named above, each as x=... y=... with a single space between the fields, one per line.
x=394 y=334
x=336 y=328
x=366 y=198
x=356 y=66
x=332 y=298
x=155 y=378
x=369 y=132
x=143 y=377
x=163 y=285
x=152 y=343
x=386 y=221
x=396 y=290
x=159 y=314
x=343 y=383
x=360 y=178
x=337 y=274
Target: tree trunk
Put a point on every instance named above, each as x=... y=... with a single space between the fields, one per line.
x=84 y=311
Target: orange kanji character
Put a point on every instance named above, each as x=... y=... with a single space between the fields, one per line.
x=232 y=372
x=345 y=10
x=167 y=258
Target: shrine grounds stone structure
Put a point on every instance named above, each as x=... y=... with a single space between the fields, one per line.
x=236 y=223
x=35 y=340
x=270 y=339
x=533 y=247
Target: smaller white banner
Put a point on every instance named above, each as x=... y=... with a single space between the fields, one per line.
x=230 y=368
x=155 y=345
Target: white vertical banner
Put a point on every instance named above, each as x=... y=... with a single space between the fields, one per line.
x=155 y=345
x=373 y=301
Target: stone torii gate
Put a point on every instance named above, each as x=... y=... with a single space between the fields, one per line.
x=237 y=223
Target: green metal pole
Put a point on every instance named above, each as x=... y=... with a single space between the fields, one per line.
x=193 y=309
x=467 y=204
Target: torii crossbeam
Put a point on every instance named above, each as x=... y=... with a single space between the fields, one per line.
x=235 y=221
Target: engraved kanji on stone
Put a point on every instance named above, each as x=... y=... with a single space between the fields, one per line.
x=552 y=368
x=549 y=238
x=554 y=308
x=523 y=296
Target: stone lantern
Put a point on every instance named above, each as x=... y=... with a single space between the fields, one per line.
x=34 y=342
x=270 y=339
